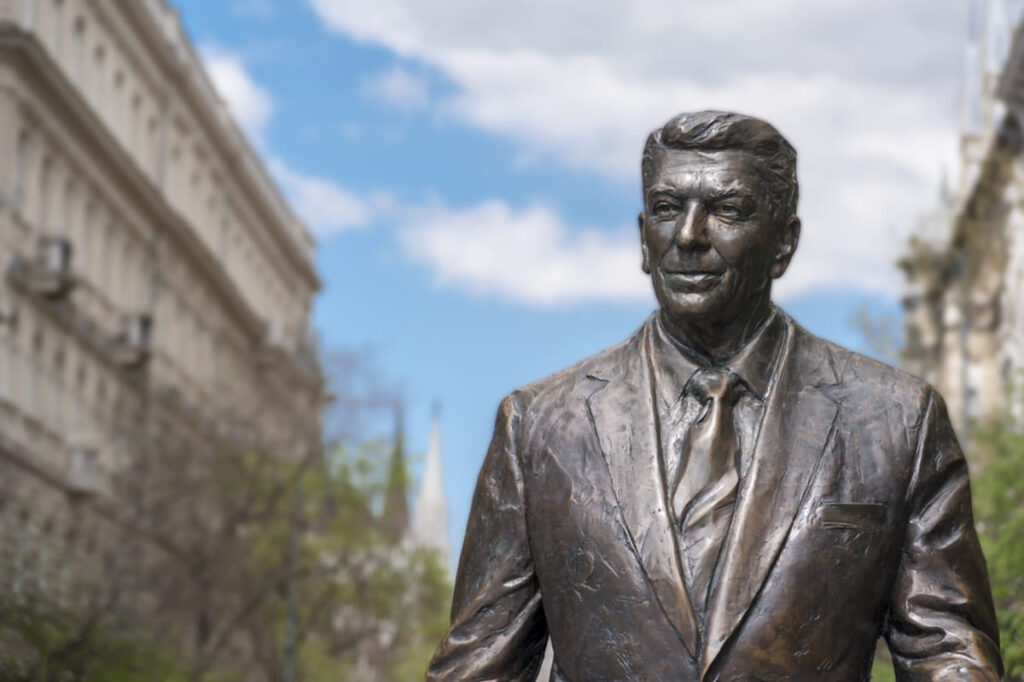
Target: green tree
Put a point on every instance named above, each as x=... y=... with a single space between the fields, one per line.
x=999 y=514
x=242 y=560
x=44 y=641
x=298 y=564
x=276 y=563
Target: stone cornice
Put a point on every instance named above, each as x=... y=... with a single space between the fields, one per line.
x=184 y=69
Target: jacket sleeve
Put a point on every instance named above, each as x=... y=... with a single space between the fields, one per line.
x=942 y=624
x=498 y=631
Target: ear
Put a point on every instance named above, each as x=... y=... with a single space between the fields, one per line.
x=645 y=264
x=788 y=241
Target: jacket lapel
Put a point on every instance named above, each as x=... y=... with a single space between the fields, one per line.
x=623 y=415
x=796 y=430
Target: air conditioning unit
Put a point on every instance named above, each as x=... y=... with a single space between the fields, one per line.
x=131 y=345
x=83 y=477
x=50 y=272
x=8 y=313
x=276 y=334
x=276 y=344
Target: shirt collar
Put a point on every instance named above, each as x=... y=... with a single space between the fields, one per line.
x=755 y=363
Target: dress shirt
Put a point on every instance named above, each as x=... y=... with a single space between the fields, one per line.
x=673 y=365
x=680 y=410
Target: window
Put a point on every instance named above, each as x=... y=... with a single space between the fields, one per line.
x=20 y=170
x=116 y=104
x=30 y=13
x=225 y=239
x=100 y=406
x=67 y=216
x=56 y=24
x=7 y=366
x=76 y=420
x=171 y=174
x=77 y=49
x=99 y=59
x=209 y=219
x=134 y=124
x=150 y=146
x=127 y=292
x=103 y=273
x=42 y=212
x=84 y=230
x=56 y=376
x=32 y=366
x=192 y=207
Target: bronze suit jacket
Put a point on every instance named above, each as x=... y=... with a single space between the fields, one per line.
x=853 y=521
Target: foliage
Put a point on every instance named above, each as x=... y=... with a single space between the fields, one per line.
x=366 y=600
x=43 y=641
x=271 y=553
x=242 y=560
x=999 y=511
x=882 y=670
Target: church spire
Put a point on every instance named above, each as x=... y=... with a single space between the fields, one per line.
x=396 y=502
x=430 y=524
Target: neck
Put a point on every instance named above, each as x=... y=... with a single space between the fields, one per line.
x=719 y=340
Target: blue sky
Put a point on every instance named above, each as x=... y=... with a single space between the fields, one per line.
x=471 y=169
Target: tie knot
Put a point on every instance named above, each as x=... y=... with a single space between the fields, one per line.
x=716 y=384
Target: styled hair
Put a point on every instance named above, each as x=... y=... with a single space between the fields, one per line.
x=718 y=130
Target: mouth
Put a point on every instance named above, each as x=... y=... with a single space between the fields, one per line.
x=691 y=280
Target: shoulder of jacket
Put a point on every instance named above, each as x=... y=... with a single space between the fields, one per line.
x=863 y=375
x=567 y=381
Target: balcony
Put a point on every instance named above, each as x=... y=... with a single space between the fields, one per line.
x=83 y=471
x=276 y=343
x=130 y=347
x=49 y=273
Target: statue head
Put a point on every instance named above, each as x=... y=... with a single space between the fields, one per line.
x=719 y=221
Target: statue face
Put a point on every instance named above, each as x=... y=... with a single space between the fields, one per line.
x=710 y=242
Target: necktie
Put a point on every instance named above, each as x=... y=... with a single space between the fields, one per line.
x=706 y=483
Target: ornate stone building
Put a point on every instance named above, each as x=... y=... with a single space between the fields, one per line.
x=154 y=285
x=965 y=268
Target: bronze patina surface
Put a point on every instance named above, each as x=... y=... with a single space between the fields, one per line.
x=722 y=496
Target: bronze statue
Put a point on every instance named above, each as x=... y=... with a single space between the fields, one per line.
x=722 y=496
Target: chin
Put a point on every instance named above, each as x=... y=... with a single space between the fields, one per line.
x=694 y=307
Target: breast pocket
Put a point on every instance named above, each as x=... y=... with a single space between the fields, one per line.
x=860 y=516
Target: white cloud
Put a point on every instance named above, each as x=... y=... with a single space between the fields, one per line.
x=399 y=88
x=527 y=256
x=324 y=205
x=250 y=103
x=866 y=91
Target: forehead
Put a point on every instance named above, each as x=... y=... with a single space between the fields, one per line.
x=719 y=170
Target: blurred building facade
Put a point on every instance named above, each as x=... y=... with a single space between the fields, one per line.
x=156 y=286
x=965 y=266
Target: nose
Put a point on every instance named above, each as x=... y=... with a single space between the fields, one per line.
x=691 y=228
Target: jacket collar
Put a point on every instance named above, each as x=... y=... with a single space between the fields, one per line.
x=674 y=363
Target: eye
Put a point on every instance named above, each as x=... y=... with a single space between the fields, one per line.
x=663 y=208
x=729 y=210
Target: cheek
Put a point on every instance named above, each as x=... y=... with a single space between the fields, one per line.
x=743 y=251
x=657 y=242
